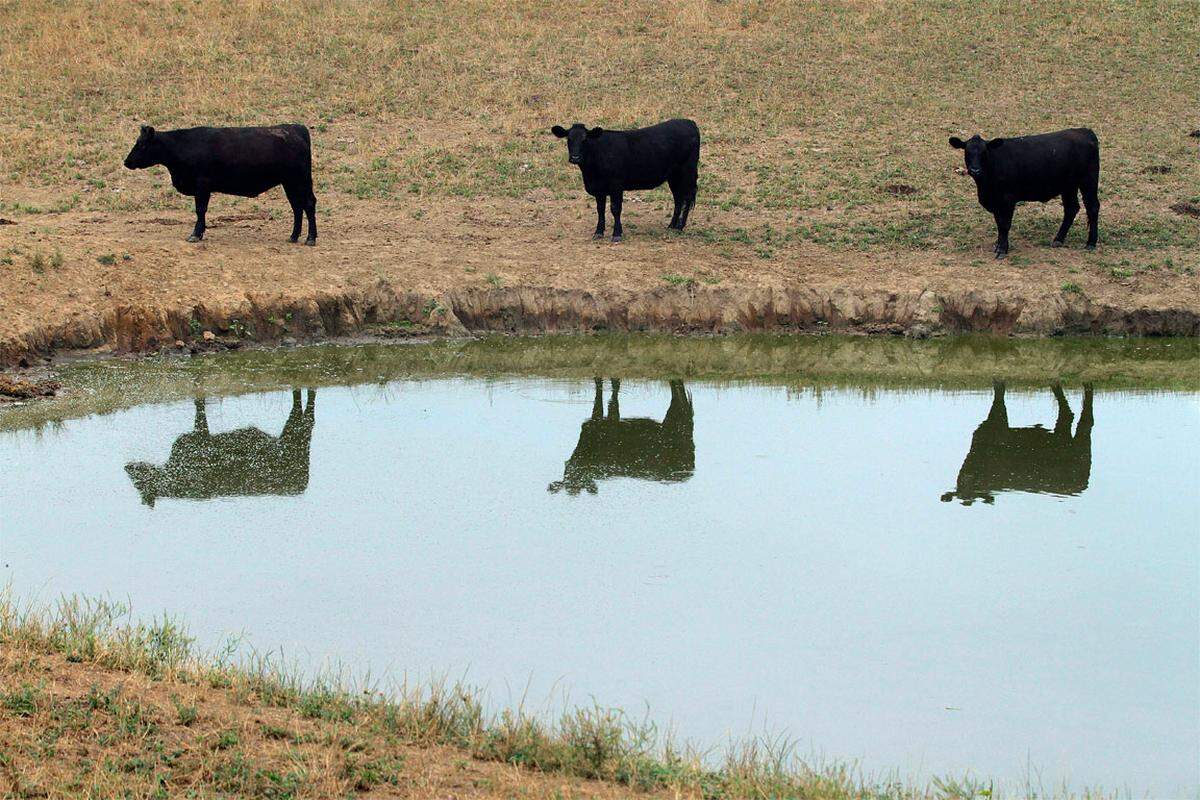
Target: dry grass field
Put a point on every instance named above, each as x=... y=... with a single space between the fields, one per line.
x=825 y=165
x=823 y=123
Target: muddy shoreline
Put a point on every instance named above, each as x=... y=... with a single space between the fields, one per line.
x=123 y=283
x=388 y=311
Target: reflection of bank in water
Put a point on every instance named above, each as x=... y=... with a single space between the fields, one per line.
x=247 y=461
x=611 y=447
x=1032 y=459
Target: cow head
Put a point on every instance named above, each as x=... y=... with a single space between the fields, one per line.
x=969 y=499
x=576 y=135
x=975 y=151
x=145 y=479
x=145 y=151
x=574 y=485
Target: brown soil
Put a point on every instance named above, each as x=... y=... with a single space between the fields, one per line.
x=104 y=733
x=20 y=388
x=131 y=283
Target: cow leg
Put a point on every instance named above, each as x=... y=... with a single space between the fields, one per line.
x=614 y=402
x=598 y=403
x=998 y=413
x=616 y=212
x=1070 y=209
x=201 y=423
x=1091 y=202
x=676 y=185
x=1004 y=217
x=299 y=202
x=295 y=416
x=599 y=234
x=679 y=413
x=1085 y=417
x=687 y=209
x=689 y=194
x=1062 y=426
x=201 y=210
x=311 y=209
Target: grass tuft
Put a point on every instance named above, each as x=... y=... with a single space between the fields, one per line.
x=367 y=727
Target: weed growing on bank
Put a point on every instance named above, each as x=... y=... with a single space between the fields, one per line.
x=203 y=744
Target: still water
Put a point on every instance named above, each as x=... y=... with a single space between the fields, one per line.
x=1001 y=581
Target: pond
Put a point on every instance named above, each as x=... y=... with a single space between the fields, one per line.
x=926 y=558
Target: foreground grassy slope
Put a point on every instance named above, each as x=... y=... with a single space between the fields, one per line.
x=816 y=116
x=93 y=704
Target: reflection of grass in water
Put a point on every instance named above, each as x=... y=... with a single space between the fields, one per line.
x=801 y=363
x=344 y=736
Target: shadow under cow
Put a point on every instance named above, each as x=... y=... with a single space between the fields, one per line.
x=612 y=447
x=247 y=461
x=1034 y=459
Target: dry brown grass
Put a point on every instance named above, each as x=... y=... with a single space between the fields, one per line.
x=70 y=729
x=809 y=110
x=93 y=704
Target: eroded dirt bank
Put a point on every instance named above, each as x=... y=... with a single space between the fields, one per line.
x=130 y=282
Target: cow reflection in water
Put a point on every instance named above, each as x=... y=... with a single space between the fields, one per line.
x=247 y=461
x=611 y=447
x=1027 y=459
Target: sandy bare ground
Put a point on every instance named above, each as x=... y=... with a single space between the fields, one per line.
x=85 y=279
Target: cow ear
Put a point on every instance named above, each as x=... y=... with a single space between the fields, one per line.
x=559 y=131
x=147 y=130
x=594 y=132
x=957 y=143
x=994 y=143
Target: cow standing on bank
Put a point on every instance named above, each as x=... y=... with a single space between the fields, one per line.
x=1042 y=167
x=613 y=162
x=239 y=161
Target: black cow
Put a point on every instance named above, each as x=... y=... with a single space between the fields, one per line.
x=1027 y=459
x=1042 y=167
x=247 y=461
x=240 y=161
x=611 y=447
x=613 y=162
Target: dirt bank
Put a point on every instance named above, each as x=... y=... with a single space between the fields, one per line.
x=96 y=704
x=72 y=728
x=129 y=282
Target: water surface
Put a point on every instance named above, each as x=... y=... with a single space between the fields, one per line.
x=999 y=578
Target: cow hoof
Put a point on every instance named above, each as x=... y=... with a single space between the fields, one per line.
x=1058 y=243
x=1090 y=247
x=616 y=240
x=293 y=239
x=193 y=238
x=310 y=242
x=598 y=235
x=1001 y=254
